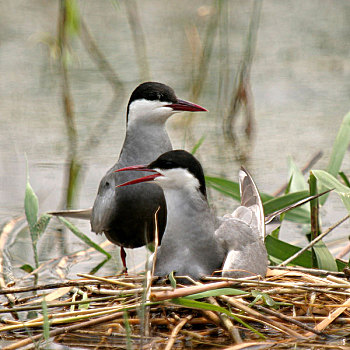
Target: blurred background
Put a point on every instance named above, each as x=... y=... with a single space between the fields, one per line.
x=274 y=75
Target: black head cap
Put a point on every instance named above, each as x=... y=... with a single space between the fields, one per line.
x=181 y=159
x=154 y=92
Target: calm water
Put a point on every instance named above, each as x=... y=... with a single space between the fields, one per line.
x=300 y=81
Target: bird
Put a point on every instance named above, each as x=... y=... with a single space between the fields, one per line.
x=127 y=215
x=194 y=244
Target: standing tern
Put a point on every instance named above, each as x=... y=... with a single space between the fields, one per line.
x=126 y=215
x=193 y=244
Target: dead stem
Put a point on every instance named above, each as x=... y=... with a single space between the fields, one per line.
x=65 y=330
x=175 y=332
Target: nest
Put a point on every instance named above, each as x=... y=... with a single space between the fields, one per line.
x=292 y=306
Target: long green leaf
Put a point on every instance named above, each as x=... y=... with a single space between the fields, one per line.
x=298 y=182
x=46 y=322
x=325 y=260
x=31 y=206
x=198 y=144
x=329 y=181
x=283 y=250
x=227 y=187
x=83 y=237
x=206 y=306
x=215 y=293
x=340 y=146
x=339 y=150
x=281 y=202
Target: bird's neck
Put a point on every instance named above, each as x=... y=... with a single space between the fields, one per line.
x=188 y=214
x=144 y=143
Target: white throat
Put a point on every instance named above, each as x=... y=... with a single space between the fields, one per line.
x=148 y=112
x=177 y=179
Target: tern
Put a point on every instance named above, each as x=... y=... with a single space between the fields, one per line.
x=127 y=215
x=193 y=243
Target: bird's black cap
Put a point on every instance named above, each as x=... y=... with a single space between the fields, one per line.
x=153 y=91
x=181 y=159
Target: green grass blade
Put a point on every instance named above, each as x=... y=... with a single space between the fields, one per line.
x=127 y=330
x=98 y=266
x=298 y=182
x=281 y=251
x=325 y=260
x=83 y=237
x=340 y=146
x=339 y=150
x=42 y=224
x=46 y=322
x=197 y=145
x=215 y=293
x=31 y=206
x=172 y=279
x=227 y=187
x=344 y=178
x=286 y=200
x=193 y=304
x=329 y=181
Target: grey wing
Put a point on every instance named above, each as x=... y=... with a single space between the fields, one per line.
x=105 y=203
x=245 y=251
x=242 y=233
x=250 y=198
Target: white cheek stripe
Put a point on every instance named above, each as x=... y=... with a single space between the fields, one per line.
x=149 y=110
x=176 y=178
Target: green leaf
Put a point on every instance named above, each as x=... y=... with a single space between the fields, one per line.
x=83 y=237
x=345 y=178
x=84 y=306
x=276 y=232
x=325 y=260
x=73 y=17
x=267 y=300
x=341 y=264
x=197 y=145
x=215 y=293
x=339 y=150
x=31 y=206
x=206 y=306
x=298 y=182
x=98 y=266
x=299 y=214
x=128 y=330
x=340 y=146
x=282 y=251
x=42 y=224
x=172 y=279
x=281 y=202
x=227 y=187
x=329 y=181
x=27 y=268
x=46 y=322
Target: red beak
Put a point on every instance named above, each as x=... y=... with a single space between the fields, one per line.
x=141 y=179
x=182 y=105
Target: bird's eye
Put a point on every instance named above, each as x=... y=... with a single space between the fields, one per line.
x=168 y=164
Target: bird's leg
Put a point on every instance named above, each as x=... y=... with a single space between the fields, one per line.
x=123 y=257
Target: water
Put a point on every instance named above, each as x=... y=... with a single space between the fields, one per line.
x=299 y=78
